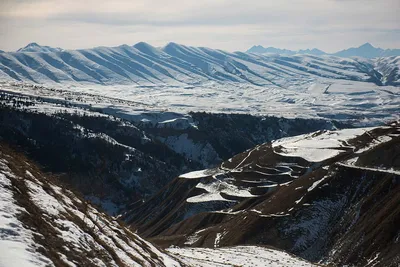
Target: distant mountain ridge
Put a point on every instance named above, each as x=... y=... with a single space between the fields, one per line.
x=366 y=50
x=259 y=49
x=176 y=64
x=313 y=51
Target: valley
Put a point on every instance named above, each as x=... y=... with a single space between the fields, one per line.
x=191 y=156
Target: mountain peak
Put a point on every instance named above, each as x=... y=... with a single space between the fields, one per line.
x=257 y=46
x=269 y=50
x=173 y=44
x=142 y=44
x=367 y=45
x=146 y=48
x=256 y=49
x=35 y=47
x=29 y=46
x=366 y=50
x=172 y=47
x=314 y=51
x=259 y=49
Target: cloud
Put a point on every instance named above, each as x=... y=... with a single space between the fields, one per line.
x=230 y=25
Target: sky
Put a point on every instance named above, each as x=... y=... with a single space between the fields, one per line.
x=232 y=25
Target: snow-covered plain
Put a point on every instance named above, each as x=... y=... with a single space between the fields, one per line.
x=215 y=189
x=361 y=103
x=323 y=145
x=200 y=174
x=318 y=146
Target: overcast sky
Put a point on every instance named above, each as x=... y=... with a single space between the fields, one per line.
x=231 y=25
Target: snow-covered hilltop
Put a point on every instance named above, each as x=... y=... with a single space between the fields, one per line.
x=175 y=64
x=35 y=47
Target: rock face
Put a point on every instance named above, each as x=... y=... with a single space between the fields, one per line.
x=329 y=196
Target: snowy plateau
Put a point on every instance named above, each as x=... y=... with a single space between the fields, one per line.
x=190 y=156
x=181 y=78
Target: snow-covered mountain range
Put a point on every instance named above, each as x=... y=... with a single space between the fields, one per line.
x=366 y=51
x=182 y=79
x=175 y=64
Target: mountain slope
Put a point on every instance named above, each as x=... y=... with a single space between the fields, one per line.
x=389 y=67
x=324 y=196
x=42 y=223
x=174 y=65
